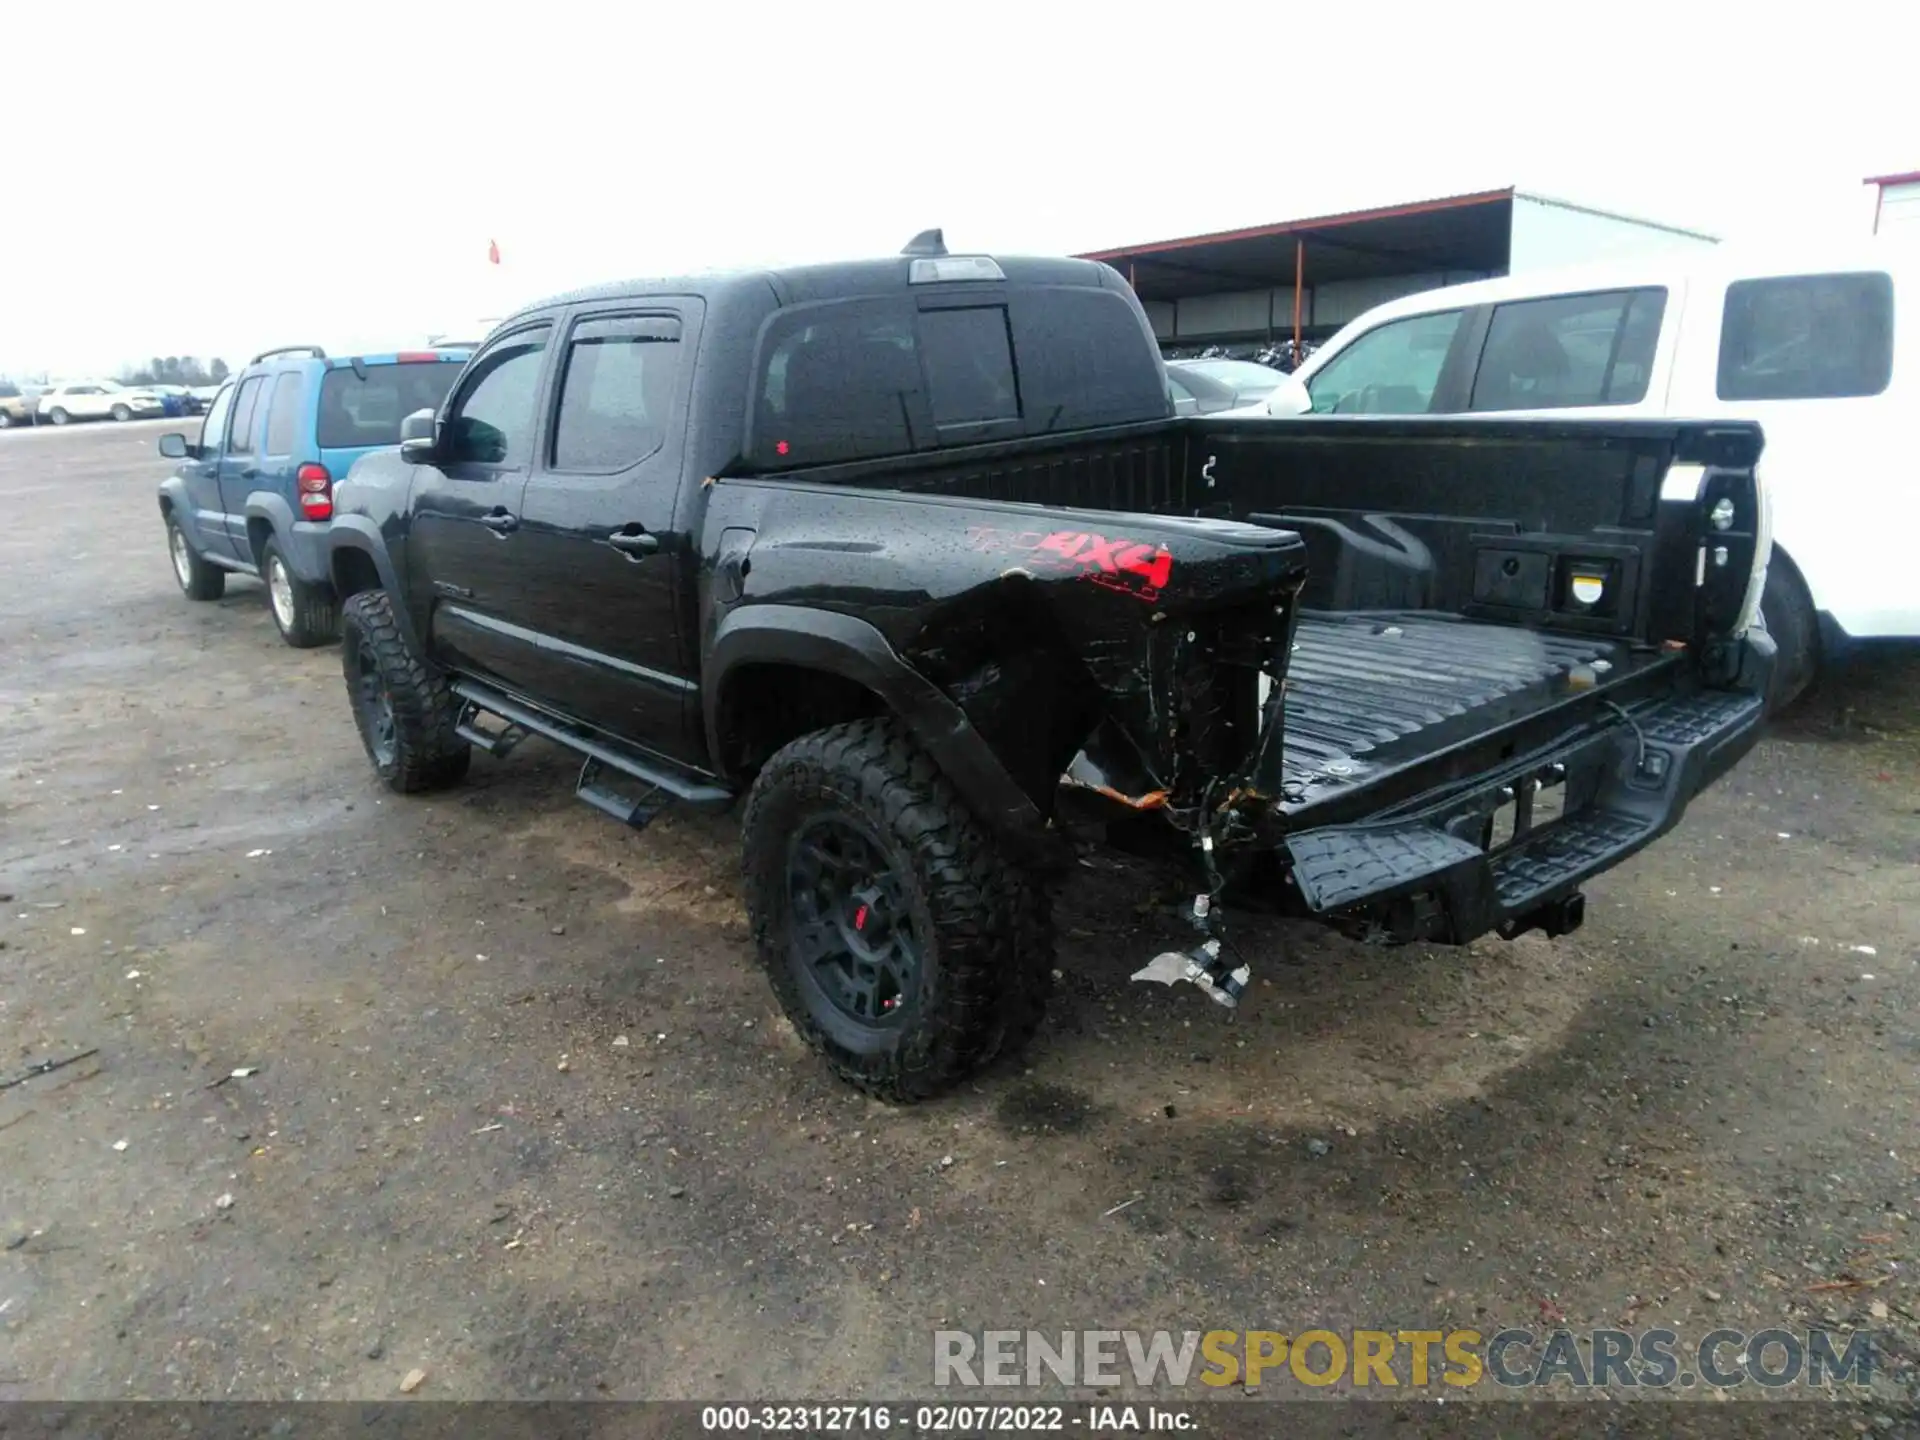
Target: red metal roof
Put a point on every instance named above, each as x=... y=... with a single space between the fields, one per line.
x=1909 y=178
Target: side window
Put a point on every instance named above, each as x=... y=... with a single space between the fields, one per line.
x=1807 y=337
x=969 y=363
x=240 y=441
x=491 y=420
x=1569 y=350
x=617 y=392
x=1086 y=357
x=283 y=413
x=1391 y=370
x=214 y=425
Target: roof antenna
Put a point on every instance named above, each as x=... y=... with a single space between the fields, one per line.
x=927 y=242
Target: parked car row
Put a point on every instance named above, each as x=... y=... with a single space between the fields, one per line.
x=73 y=400
x=914 y=557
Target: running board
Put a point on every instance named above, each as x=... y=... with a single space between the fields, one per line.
x=497 y=743
x=660 y=783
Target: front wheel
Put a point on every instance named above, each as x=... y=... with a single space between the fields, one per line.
x=198 y=580
x=306 y=615
x=58 y=416
x=121 y=412
x=904 y=946
x=402 y=707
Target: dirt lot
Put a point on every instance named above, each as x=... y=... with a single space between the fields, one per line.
x=523 y=1116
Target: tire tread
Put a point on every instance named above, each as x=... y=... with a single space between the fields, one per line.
x=983 y=978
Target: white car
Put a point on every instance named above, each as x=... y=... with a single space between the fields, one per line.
x=1812 y=344
x=99 y=400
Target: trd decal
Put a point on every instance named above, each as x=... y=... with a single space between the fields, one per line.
x=1132 y=567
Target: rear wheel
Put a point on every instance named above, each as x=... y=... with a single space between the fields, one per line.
x=402 y=707
x=1795 y=626
x=6 y=420
x=306 y=615
x=903 y=945
x=198 y=580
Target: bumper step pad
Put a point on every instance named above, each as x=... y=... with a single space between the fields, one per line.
x=1638 y=774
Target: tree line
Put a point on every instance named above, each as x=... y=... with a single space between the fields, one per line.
x=176 y=370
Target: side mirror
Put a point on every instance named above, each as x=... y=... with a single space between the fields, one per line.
x=416 y=438
x=1289 y=397
x=174 y=447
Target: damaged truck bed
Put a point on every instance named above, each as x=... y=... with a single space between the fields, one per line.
x=1486 y=660
x=912 y=555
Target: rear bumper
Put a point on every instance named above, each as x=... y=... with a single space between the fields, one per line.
x=1426 y=872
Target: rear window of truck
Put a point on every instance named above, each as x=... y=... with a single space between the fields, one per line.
x=1807 y=337
x=866 y=378
x=356 y=412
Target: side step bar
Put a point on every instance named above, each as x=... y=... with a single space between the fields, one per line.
x=660 y=782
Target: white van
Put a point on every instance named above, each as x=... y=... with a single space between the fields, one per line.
x=1803 y=344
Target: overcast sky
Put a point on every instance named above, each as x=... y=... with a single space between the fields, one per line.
x=214 y=178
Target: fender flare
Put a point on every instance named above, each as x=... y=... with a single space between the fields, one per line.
x=172 y=492
x=173 y=499
x=362 y=534
x=849 y=647
x=267 y=506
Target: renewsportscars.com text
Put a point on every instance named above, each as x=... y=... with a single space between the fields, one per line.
x=1404 y=1359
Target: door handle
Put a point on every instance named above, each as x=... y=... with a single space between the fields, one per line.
x=250 y=473
x=634 y=542
x=500 y=522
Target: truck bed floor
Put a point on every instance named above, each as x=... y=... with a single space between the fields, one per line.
x=1372 y=691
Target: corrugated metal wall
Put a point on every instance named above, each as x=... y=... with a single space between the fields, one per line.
x=1899 y=205
x=1247 y=313
x=1549 y=233
x=1545 y=233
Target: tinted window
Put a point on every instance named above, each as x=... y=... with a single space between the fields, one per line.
x=859 y=379
x=1569 y=350
x=491 y=421
x=1086 y=357
x=283 y=413
x=240 y=442
x=215 y=422
x=969 y=364
x=356 y=412
x=1391 y=370
x=618 y=393
x=836 y=384
x=1807 y=337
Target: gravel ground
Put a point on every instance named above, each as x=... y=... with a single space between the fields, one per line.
x=519 y=1112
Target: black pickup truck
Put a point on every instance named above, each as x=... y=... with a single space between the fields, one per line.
x=913 y=554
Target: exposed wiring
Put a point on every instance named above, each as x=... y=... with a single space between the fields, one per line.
x=1639 y=735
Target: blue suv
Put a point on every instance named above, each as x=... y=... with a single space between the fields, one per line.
x=254 y=493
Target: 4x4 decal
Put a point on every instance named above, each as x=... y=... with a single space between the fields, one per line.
x=1134 y=567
